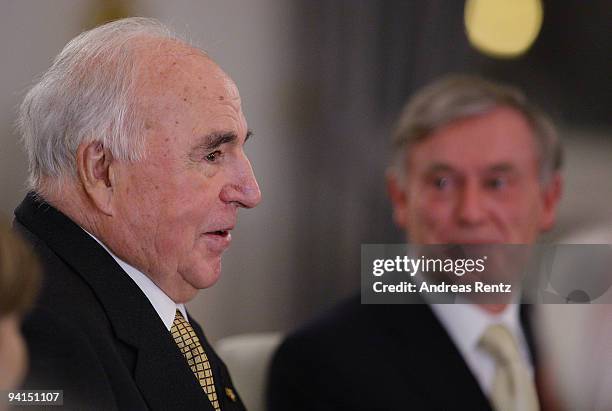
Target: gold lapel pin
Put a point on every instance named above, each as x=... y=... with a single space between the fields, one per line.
x=230 y=393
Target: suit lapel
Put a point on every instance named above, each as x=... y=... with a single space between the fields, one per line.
x=417 y=327
x=166 y=381
x=161 y=373
x=226 y=392
x=526 y=313
x=443 y=376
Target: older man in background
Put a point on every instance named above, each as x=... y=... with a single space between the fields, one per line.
x=475 y=164
x=135 y=141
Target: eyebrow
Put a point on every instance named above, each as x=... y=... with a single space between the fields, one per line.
x=495 y=168
x=502 y=168
x=216 y=139
x=438 y=167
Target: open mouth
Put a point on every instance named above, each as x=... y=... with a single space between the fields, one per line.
x=218 y=240
x=221 y=233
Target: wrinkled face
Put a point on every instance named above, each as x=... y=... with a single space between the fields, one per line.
x=475 y=181
x=13 y=358
x=177 y=207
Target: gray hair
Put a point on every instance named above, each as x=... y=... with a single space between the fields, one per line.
x=456 y=97
x=88 y=94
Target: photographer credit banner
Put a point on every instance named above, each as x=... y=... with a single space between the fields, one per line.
x=486 y=274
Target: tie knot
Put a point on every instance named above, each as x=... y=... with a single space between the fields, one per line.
x=498 y=341
x=178 y=317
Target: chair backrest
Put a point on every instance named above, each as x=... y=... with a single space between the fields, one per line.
x=248 y=356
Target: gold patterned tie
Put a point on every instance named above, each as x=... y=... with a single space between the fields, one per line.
x=513 y=387
x=189 y=344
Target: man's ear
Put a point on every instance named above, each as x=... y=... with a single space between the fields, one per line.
x=94 y=163
x=397 y=194
x=551 y=196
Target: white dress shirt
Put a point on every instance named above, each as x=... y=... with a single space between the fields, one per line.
x=163 y=305
x=466 y=323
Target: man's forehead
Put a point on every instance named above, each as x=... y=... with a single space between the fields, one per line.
x=500 y=133
x=170 y=64
x=483 y=162
x=484 y=169
x=183 y=81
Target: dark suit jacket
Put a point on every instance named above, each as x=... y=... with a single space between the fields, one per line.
x=95 y=335
x=373 y=357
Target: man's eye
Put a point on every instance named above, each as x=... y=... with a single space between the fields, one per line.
x=214 y=156
x=441 y=182
x=497 y=183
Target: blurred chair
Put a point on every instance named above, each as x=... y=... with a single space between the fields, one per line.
x=248 y=356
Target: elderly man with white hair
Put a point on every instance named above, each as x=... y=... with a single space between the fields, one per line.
x=135 y=141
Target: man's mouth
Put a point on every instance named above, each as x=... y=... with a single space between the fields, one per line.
x=221 y=233
x=218 y=240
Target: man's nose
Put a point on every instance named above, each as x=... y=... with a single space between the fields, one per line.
x=471 y=204
x=243 y=190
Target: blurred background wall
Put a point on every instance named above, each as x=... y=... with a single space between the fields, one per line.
x=321 y=82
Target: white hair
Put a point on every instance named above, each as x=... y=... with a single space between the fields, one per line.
x=88 y=94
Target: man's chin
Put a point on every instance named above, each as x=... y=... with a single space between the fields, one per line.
x=207 y=275
x=196 y=280
x=196 y=276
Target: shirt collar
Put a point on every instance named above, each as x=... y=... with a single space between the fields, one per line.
x=466 y=323
x=163 y=305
